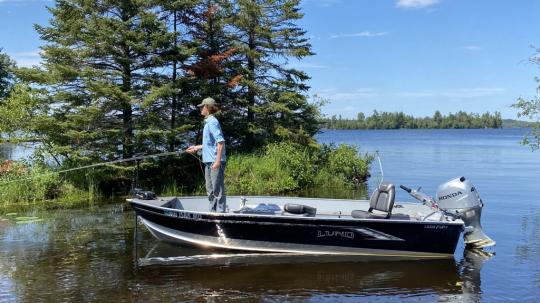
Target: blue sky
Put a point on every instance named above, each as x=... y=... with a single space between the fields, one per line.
x=415 y=56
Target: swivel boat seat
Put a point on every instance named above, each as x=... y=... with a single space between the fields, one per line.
x=382 y=200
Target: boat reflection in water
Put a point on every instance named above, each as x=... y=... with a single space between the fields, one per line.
x=470 y=267
x=279 y=276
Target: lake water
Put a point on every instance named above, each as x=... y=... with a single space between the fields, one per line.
x=88 y=255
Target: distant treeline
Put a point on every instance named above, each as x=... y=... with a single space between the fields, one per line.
x=386 y=120
x=511 y=123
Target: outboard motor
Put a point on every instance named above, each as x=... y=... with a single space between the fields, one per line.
x=459 y=198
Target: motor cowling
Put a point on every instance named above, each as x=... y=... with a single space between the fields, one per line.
x=460 y=198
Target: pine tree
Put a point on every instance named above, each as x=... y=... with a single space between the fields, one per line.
x=215 y=67
x=272 y=94
x=100 y=60
x=173 y=91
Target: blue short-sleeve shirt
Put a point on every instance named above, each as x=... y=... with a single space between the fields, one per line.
x=212 y=135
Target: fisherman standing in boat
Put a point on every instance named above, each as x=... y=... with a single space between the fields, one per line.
x=213 y=156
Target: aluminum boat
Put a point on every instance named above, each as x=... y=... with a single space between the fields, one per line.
x=376 y=227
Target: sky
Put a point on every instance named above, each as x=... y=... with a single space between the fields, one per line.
x=415 y=56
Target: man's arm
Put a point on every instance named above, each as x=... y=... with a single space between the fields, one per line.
x=217 y=164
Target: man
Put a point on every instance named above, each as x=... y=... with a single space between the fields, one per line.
x=213 y=156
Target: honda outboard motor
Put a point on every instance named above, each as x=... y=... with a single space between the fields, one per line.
x=460 y=198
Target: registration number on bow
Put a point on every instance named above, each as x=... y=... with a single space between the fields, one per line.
x=181 y=214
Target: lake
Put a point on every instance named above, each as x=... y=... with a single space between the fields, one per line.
x=89 y=254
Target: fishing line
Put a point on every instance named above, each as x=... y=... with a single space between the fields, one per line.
x=200 y=162
x=99 y=164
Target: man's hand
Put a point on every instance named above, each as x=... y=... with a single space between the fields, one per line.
x=192 y=149
x=216 y=165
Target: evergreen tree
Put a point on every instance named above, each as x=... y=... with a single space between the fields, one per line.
x=272 y=95
x=437 y=119
x=174 y=90
x=123 y=77
x=217 y=65
x=100 y=60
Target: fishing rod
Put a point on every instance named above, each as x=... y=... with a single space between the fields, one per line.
x=137 y=158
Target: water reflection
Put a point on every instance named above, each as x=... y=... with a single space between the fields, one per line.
x=271 y=277
x=88 y=255
x=470 y=267
x=5 y=151
x=70 y=256
x=16 y=152
x=527 y=249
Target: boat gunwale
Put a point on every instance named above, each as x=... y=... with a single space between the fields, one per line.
x=217 y=215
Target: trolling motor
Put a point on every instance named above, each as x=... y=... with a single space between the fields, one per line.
x=458 y=199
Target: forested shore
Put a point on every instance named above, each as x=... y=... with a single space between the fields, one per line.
x=398 y=120
x=121 y=79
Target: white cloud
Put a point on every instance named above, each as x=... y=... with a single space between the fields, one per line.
x=366 y=34
x=302 y=65
x=461 y=93
x=351 y=95
x=26 y=59
x=416 y=3
x=472 y=48
x=368 y=94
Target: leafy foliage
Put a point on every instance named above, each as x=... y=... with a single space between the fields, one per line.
x=530 y=108
x=286 y=167
x=6 y=74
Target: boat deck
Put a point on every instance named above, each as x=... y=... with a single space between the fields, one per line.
x=273 y=206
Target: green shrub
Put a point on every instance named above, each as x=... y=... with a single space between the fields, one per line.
x=344 y=161
x=288 y=167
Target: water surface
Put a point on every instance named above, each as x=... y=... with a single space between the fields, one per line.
x=93 y=255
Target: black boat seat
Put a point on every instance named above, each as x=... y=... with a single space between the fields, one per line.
x=382 y=200
x=299 y=209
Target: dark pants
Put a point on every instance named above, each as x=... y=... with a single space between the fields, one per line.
x=215 y=187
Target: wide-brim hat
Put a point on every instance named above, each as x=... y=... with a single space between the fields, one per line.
x=208 y=101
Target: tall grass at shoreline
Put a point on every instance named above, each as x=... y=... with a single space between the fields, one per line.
x=281 y=168
x=37 y=186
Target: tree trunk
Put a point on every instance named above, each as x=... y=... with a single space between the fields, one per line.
x=250 y=138
x=127 y=115
x=172 y=140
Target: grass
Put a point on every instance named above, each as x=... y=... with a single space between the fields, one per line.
x=25 y=186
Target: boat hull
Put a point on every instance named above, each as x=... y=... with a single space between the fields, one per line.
x=298 y=234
